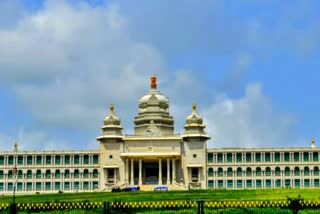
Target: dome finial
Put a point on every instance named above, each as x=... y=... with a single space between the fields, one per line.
x=313 y=143
x=15 y=148
x=111 y=108
x=194 y=107
x=153 y=82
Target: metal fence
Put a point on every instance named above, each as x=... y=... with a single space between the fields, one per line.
x=290 y=206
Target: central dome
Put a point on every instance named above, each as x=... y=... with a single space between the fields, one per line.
x=153 y=108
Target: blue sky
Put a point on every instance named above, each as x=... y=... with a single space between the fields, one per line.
x=252 y=67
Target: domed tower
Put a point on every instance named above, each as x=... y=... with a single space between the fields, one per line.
x=195 y=147
x=153 y=117
x=111 y=146
x=111 y=126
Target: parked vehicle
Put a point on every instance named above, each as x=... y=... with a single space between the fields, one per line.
x=160 y=188
x=131 y=188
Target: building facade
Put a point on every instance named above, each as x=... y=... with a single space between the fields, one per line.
x=155 y=155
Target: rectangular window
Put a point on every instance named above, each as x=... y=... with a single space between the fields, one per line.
x=220 y=183
x=220 y=158
x=306 y=182
x=258 y=183
x=258 y=157
x=66 y=185
x=287 y=156
x=229 y=157
x=287 y=182
x=76 y=159
x=57 y=185
x=249 y=183
x=248 y=157
x=19 y=186
x=1 y=186
x=211 y=183
x=315 y=156
x=29 y=160
x=278 y=183
x=296 y=156
x=210 y=158
x=11 y=160
x=48 y=185
x=86 y=159
x=38 y=186
x=239 y=183
x=306 y=156
x=29 y=186
x=268 y=183
x=230 y=184
x=95 y=185
x=277 y=157
x=20 y=160
x=316 y=182
x=10 y=186
x=85 y=185
x=297 y=182
x=48 y=159
x=1 y=160
x=67 y=159
x=239 y=157
x=267 y=157
x=39 y=160
x=58 y=160
x=76 y=185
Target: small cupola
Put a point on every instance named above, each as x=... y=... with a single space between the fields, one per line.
x=111 y=126
x=194 y=125
x=313 y=143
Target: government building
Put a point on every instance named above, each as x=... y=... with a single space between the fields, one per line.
x=156 y=155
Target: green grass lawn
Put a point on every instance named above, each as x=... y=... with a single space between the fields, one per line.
x=261 y=194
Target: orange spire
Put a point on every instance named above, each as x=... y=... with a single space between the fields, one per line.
x=153 y=82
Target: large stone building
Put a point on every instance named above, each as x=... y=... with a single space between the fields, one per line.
x=155 y=155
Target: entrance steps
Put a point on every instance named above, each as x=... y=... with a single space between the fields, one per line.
x=148 y=187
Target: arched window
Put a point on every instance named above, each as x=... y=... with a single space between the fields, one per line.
x=296 y=171
x=38 y=173
x=239 y=171
x=57 y=174
x=76 y=173
x=277 y=171
x=48 y=173
x=287 y=171
x=29 y=174
x=86 y=173
x=67 y=173
x=258 y=171
x=306 y=171
x=210 y=172
x=249 y=171
x=268 y=171
x=95 y=173
x=220 y=171
x=229 y=171
x=316 y=170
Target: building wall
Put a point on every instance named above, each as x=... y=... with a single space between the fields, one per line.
x=263 y=168
x=49 y=171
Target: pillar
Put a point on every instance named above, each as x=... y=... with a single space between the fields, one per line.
x=173 y=171
x=168 y=171
x=160 y=172
x=132 y=169
x=140 y=171
x=127 y=171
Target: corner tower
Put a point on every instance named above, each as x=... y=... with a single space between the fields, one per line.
x=195 y=150
x=111 y=146
x=153 y=117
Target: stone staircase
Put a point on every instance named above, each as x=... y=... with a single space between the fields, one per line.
x=150 y=187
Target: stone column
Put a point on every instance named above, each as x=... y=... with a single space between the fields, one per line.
x=140 y=171
x=160 y=172
x=127 y=171
x=173 y=171
x=168 y=171
x=115 y=175
x=132 y=168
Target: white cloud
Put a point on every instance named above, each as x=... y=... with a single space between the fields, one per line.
x=249 y=121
